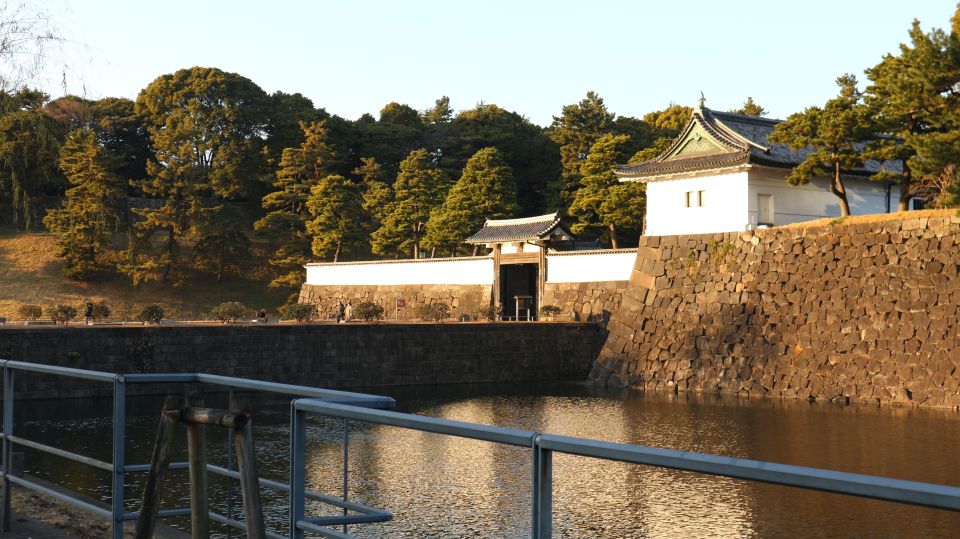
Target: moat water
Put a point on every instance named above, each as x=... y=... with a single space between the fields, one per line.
x=439 y=486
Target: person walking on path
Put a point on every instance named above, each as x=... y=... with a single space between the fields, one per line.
x=349 y=311
x=88 y=314
x=340 y=311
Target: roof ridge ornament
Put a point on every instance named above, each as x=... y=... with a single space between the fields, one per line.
x=700 y=104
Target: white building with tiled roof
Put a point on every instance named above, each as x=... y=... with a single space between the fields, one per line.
x=722 y=175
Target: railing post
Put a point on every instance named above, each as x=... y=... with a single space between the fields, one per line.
x=7 y=447
x=119 y=461
x=231 y=464
x=542 y=512
x=298 y=448
x=346 y=465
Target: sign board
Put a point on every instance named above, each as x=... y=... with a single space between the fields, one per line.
x=401 y=303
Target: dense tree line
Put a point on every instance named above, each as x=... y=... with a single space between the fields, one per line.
x=206 y=172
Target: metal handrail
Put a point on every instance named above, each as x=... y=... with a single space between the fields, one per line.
x=350 y=406
x=543 y=446
x=119 y=468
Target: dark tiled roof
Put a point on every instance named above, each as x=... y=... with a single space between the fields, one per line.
x=527 y=228
x=745 y=136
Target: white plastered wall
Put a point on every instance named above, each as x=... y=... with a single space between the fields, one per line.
x=724 y=209
x=407 y=272
x=590 y=266
x=794 y=204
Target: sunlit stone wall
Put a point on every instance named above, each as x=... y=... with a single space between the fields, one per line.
x=865 y=312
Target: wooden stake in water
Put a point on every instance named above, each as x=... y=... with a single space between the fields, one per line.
x=197 y=457
x=159 y=464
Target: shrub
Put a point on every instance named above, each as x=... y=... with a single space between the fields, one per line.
x=61 y=314
x=490 y=313
x=229 y=311
x=369 y=311
x=152 y=313
x=100 y=311
x=550 y=310
x=433 y=311
x=30 y=312
x=301 y=312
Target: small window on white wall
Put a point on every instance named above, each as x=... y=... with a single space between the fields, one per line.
x=695 y=199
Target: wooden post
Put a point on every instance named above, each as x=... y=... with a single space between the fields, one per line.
x=197 y=457
x=249 y=482
x=496 y=279
x=541 y=280
x=152 y=491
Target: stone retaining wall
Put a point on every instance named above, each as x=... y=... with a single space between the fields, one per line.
x=322 y=355
x=864 y=312
x=593 y=301
x=462 y=299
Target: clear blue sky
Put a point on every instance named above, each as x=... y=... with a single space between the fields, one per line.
x=353 y=57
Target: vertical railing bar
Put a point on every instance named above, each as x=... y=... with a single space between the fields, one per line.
x=346 y=465
x=230 y=465
x=119 y=425
x=542 y=491
x=297 y=469
x=7 y=447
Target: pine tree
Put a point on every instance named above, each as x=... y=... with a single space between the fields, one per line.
x=285 y=222
x=575 y=130
x=834 y=135
x=486 y=189
x=336 y=209
x=602 y=200
x=913 y=102
x=91 y=207
x=750 y=108
x=420 y=187
x=222 y=246
x=377 y=195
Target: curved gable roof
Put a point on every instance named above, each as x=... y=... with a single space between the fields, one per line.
x=539 y=227
x=744 y=140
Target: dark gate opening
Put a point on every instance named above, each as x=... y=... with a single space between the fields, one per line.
x=518 y=286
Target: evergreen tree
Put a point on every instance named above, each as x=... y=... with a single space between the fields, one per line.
x=389 y=140
x=420 y=187
x=207 y=129
x=29 y=145
x=485 y=190
x=377 y=195
x=534 y=157
x=750 y=108
x=913 y=100
x=668 y=122
x=602 y=200
x=222 y=246
x=285 y=222
x=834 y=135
x=575 y=131
x=91 y=208
x=335 y=207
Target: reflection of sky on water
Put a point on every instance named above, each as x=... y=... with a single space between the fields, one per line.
x=439 y=486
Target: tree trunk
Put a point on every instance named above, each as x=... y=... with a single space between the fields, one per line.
x=838 y=189
x=476 y=247
x=336 y=254
x=905 y=187
x=433 y=252
x=613 y=236
x=170 y=240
